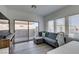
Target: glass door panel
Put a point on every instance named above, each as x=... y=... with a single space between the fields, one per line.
x=21 y=31
x=33 y=30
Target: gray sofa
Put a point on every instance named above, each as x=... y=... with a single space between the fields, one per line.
x=50 y=38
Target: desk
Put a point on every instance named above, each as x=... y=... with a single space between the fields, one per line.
x=6 y=45
x=69 y=48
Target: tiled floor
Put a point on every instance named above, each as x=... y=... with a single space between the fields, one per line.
x=20 y=39
x=31 y=48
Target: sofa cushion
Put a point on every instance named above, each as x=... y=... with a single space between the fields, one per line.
x=50 y=40
x=51 y=35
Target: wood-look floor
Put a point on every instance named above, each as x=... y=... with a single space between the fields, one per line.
x=31 y=48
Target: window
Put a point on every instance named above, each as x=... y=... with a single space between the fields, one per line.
x=51 y=26
x=74 y=26
x=60 y=25
x=4 y=26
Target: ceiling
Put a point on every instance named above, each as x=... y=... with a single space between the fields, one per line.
x=42 y=10
x=2 y=16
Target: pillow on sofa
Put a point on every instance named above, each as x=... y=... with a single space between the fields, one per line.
x=40 y=33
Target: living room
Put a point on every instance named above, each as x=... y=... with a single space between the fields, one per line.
x=35 y=30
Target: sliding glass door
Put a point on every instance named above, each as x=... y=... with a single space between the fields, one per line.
x=25 y=30
x=33 y=30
